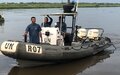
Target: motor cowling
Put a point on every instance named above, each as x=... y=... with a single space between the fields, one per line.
x=93 y=34
x=82 y=33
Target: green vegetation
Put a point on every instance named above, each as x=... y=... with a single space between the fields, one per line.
x=29 y=5
x=99 y=5
x=52 y=5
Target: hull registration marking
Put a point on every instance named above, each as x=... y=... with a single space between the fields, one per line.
x=34 y=49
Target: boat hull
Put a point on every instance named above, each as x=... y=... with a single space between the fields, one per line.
x=47 y=53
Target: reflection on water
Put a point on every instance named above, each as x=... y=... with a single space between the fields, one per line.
x=1 y=27
x=71 y=68
x=1 y=23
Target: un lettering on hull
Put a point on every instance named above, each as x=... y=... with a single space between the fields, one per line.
x=9 y=46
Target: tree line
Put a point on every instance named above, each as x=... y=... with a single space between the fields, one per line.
x=30 y=5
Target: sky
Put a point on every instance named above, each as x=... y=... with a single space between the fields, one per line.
x=91 y=1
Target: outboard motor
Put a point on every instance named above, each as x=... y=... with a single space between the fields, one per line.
x=82 y=33
x=93 y=34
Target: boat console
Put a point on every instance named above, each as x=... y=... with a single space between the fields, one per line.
x=52 y=35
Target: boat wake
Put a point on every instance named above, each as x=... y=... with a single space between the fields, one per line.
x=115 y=38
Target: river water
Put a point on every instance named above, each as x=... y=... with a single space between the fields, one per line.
x=104 y=63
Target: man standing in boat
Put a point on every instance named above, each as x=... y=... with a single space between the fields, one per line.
x=61 y=24
x=46 y=23
x=34 y=31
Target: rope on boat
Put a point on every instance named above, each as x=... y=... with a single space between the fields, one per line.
x=108 y=40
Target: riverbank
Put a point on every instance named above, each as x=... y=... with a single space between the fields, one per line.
x=52 y=5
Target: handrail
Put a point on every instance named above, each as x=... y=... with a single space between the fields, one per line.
x=60 y=14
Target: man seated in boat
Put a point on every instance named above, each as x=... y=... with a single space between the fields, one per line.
x=59 y=23
x=47 y=23
x=34 y=31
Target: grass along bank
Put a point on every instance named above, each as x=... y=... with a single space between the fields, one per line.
x=52 y=5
